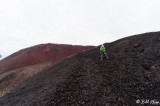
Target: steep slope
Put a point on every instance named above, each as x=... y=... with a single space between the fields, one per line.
x=131 y=73
x=38 y=54
x=11 y=79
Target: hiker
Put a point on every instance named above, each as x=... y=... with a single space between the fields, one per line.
x=103 y=51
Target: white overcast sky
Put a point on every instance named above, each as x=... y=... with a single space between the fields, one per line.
x=24 y=23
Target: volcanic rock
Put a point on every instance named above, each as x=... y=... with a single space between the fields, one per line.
x=85 y=80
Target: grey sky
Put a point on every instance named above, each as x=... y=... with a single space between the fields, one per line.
x=24 y=23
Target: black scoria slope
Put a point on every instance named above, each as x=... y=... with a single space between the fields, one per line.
x=132 y=73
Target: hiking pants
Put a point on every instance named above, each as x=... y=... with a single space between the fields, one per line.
x=101 y=53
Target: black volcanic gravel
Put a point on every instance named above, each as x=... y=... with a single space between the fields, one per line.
x=132 y=73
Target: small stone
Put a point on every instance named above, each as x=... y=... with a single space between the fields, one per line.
x=121 y=100
x=136 y=45
x=152 y=68
x=154 y=45
x=147 y=75
x=146 y=65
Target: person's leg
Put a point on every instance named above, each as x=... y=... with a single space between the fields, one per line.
x=101 y=56
x=106 y=55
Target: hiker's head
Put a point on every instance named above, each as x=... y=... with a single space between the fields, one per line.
x=102 y=45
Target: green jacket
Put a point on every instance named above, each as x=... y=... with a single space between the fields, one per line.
x=102 y=49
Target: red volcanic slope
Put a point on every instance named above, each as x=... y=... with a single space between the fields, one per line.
x=38 y=54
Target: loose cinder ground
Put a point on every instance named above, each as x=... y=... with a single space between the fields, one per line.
x=85 y=80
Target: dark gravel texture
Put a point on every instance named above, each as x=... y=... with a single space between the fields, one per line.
x=131 y=73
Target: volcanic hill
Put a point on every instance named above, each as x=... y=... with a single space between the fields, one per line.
x=38 y=54
x=132 y=73
x=28 y=62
